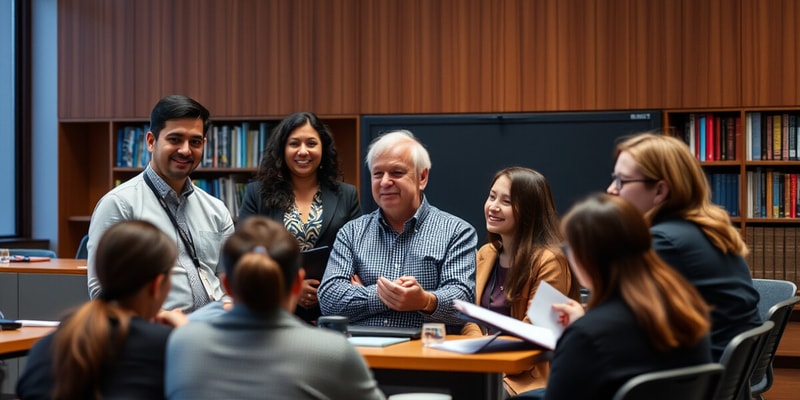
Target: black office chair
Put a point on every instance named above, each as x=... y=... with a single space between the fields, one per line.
x=762 y=378
x=739 y=359
x=699 y=382
x=83 y=251
x=33 y=253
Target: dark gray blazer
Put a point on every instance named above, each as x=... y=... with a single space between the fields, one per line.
x=338 y=207
x=722 y=279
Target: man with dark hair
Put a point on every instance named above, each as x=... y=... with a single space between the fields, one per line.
x=164 y=195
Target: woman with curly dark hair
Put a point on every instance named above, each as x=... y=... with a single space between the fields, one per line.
x=298 y=185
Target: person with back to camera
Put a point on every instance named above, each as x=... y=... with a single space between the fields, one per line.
x=661 y=178
x=642 y=316
x=164 y=195
x=259 y=350
x=112 y=346
x=404 y=263
x=523 y=251
x=298 y=185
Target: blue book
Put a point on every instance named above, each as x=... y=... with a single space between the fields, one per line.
x=755 y=125
x=120 y=145
x=702 y=136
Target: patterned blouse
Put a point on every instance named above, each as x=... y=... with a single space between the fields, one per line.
x=306 y=233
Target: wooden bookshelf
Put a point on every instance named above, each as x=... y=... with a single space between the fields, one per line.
x=88 y=165
x=760 y=195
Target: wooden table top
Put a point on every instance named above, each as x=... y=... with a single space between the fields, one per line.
x=68 y=266
x=21 y=339
x=412 y=355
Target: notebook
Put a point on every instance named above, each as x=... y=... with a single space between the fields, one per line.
x=9 y=324
x=384 y=331
x=314 y=261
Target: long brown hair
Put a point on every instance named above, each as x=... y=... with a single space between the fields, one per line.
x=130 y=254
x=666 y=158
x=611 y=242
x=536 y=232
x=261 y=260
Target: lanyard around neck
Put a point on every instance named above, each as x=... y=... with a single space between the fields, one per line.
x=187 y=241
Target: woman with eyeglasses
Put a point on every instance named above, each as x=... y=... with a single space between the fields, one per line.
x=523 y=251
x=661 y=178
x=643 y=316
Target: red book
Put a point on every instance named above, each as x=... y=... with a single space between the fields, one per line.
x=793 y=195
x=719 y=139
x=710 y=143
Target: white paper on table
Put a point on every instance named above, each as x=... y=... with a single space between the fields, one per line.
x=36 y=322
x=541 y=311
x=544 y=337
x=374 y=341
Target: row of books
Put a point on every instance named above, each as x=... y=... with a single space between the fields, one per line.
x=772 y=136
x=713 y=137
x=725 y=191
x=773 y=252
x=235 y=145
x=772 y=194
x=229 y=189
x=132 y=146
x=227 y=146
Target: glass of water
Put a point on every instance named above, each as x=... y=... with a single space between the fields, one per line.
x=5 y=256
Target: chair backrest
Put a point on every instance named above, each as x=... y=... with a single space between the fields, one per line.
x=779 y=314
x=83 y=251
x=699 y=382
x=33 y=253
x=740 y=358
x=771 y=292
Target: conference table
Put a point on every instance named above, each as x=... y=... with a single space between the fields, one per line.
x=464 y=376
x=16 y=343
x=404 y=364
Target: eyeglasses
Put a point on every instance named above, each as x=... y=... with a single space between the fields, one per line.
x=619 y=182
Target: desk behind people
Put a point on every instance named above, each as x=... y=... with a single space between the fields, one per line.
x=42 y=290
x=17 y=343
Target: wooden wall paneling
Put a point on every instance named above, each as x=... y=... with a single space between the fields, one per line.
x=615 y=68
x=711 y=55
x=94 y=46
x=576 y=57
x=84 y=176
x=770 y=46
x=152 y=54
x=184 y=48
x=461 y=57
x=334 y=72
x=536 y=26
x=428 y=57
x=672 y=55
x=651 y=72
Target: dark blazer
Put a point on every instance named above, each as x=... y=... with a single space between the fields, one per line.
x=722 y=279
x=338 y=207
x=138 y=372
x=603 y=349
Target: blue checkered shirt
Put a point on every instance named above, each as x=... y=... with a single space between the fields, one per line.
x=436 y=248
